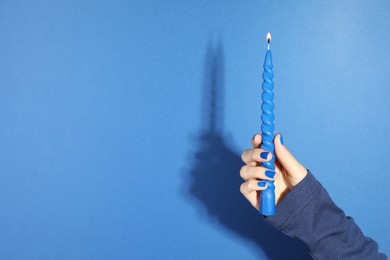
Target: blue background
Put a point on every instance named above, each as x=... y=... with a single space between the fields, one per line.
x=122 y=122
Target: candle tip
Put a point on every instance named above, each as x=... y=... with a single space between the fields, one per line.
x=269 y=38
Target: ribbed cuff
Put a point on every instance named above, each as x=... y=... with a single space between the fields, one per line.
x=294 y=202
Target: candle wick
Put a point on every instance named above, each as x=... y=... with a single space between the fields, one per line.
x=269 y=40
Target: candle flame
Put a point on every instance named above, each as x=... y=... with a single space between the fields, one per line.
x=269 y=38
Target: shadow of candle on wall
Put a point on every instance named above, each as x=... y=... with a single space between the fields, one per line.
x=214 y=179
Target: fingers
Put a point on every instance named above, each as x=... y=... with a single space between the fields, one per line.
x=251 y=172
x=254 y=156
x=256 y=140
x=252 y=185
x=248 y=172
x=294 y=169
x=250 y=191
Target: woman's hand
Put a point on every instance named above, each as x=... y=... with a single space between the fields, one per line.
x=289 y=172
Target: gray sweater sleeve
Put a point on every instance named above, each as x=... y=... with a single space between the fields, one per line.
x=309 y=214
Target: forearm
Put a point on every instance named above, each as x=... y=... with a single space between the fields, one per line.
x=309 y=214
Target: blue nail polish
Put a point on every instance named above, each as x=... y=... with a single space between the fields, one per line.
x=281 y=139
x=264 y=155
x=270 y=174
x=261 y=183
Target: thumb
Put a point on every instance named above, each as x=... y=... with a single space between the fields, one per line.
x=294 y=170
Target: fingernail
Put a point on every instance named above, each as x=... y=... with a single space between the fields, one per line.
x=270 y=174
x=281 y=139
x=264 y=155
x=253 y=138
x=261 y=183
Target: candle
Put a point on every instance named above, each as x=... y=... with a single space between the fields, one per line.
x=267 y=197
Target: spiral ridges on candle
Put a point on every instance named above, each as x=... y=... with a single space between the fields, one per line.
x=267 y=116
x=267 y=198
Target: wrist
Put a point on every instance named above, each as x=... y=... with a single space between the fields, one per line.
x=294 y=201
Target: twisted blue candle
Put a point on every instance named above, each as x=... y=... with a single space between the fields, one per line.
x=267 y=197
